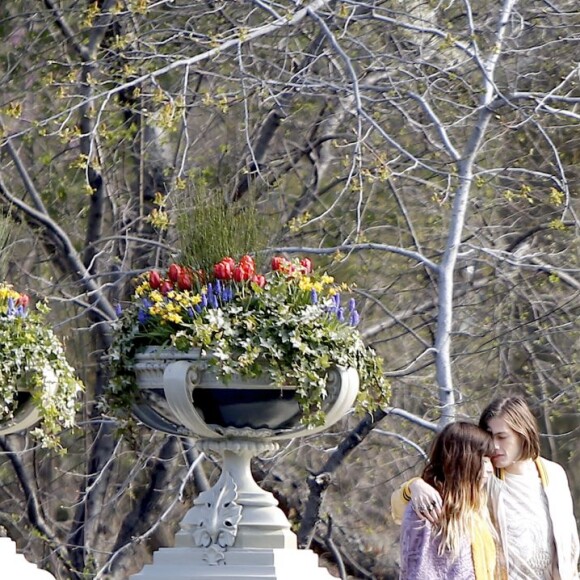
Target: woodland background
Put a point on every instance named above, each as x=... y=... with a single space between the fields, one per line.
x=426 y=150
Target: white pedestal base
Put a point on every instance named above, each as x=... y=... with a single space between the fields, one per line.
x=235 y=531
x=239 y=564
x=15 y=565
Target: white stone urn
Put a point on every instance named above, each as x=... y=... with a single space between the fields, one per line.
x=234 y=530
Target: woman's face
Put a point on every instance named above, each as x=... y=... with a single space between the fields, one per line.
x=508 y=447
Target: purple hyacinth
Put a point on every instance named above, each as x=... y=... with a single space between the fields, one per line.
x=313 y=296
x=352 y=305
x=228 y=294
x=354 y=318
x=15 y=311
x=340 y=314
x=336 y=299
x=142 y=316
x=213 y=301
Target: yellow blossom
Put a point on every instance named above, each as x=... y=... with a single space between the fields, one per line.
x=142 y=289
x=174 y=317
x=7 y=292
x=156 y=296
x=156 y=309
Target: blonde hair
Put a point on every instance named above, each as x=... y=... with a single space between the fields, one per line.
x=455 y=470
x=518 y=417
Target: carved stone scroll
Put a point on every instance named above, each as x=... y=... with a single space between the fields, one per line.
x=214 y=519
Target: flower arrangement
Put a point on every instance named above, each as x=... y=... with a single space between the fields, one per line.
x=32 y=359
x=290 y=322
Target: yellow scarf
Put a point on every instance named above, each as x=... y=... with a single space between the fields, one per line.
x=486 y=563
x=539 y=466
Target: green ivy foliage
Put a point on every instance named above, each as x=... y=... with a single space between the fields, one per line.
x=32 y=359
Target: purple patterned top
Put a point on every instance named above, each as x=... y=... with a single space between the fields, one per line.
x=419 y=557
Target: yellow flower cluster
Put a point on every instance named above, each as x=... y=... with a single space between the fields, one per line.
x=169 y=308
x=307 y=284
x=6 y=292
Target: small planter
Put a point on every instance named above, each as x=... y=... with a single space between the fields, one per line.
x=25 y=416
x=37 y=384
x=25 y=413
x=181 y=394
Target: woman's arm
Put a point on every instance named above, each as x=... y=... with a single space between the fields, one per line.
x=419 y=558
x=425 y=499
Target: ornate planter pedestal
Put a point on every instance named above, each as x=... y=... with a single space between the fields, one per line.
x=16 y=566
x=234 y=531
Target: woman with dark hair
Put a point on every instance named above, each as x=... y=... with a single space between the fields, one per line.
x=529 y=499
x=461 y=544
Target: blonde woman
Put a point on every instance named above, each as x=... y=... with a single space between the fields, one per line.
x=462 y=544
x=529 y=498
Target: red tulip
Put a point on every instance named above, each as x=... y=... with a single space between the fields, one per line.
x=279 y=263
x=166 y=287
x=248 y=266
x=23 y=300
x=184 y=281
x=154 y=279
x=259 y=280
x=247 y=259
x=306 y=263
x=173 y=272
x=240 y=274
x=223 y=270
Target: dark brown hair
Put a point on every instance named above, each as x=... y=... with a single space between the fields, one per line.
x=456 y=457
x=516 y=413
x=455 y=470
